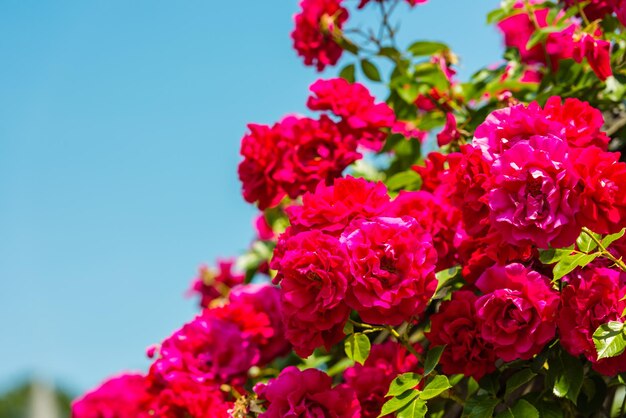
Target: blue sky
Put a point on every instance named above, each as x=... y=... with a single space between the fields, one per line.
x=119 y=135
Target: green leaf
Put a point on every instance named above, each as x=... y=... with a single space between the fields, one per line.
x=568 y=263
x=609 y=239
x=408 y=92
x=585 y=243
x=398 y=402
x=405 y=180
x=609 y=339
x=568 y=376
x=553 y=255
x=524 y=409
x=481 y=406
x=422 y=48
x=389 y=52
x=416 y=409
x=518 y=380
x=495 y=16
x=436 y=386
x=370 y=70
x=432 y=359
x=358 y=347
x=403 y=382
x=540 y=35
x=348 y=73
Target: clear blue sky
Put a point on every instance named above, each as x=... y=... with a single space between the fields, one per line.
x=119 y=135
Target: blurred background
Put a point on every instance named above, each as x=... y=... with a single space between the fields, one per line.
x=119 y=136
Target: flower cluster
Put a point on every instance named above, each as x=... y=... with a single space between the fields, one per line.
x=550 y=173
x=599 y=9
x=348 y=249
x=307 y=393
x=497 y=259
x=295 y=155
x=592 y=297
x=568 y=43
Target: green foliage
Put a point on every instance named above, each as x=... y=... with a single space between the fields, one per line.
x=432 y=359
x=403 y=382
x=566 y=376
x=610 y=339
x=357 y=347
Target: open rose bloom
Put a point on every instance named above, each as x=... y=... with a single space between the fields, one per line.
x=453 y=250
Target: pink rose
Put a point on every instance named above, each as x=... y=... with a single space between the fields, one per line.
x=331 y=208
x=123 y=396
x=312 y=271
x=517 y=313
x=457 y=327
x=392 y=262
x=361 y=116
x=533 y=198
x=315 y=25
x=307 y=394
x=590 y=298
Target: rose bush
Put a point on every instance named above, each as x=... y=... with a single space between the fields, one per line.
x=484 y=278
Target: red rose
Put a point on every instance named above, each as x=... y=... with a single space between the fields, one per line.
x=456 y=326
x=262 y=151
x=517 y=313
x=592 y=298
x=313 y=275
x=361 y=117
x=331 y=208
x=581 y=123
x=123 y=396
x=603 y=196
x=436 y=216
x=392 y=262
x=307 y=394
x=292 y=157
x=316 y=26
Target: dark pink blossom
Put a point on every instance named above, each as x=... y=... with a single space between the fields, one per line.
x=362 y=117
x=313 y=274
x=533 y=197
x=590 y=298
x=517 y=313
x=392 y=262
x=316 y=28
x=456 y=326
x=307 y=394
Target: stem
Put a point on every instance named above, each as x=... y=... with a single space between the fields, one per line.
x=404 y=341
x=603 y=249
x=617 y=125
x=582 y=14
x=368 y=327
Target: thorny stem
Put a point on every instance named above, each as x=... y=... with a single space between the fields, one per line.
x=605 y=252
